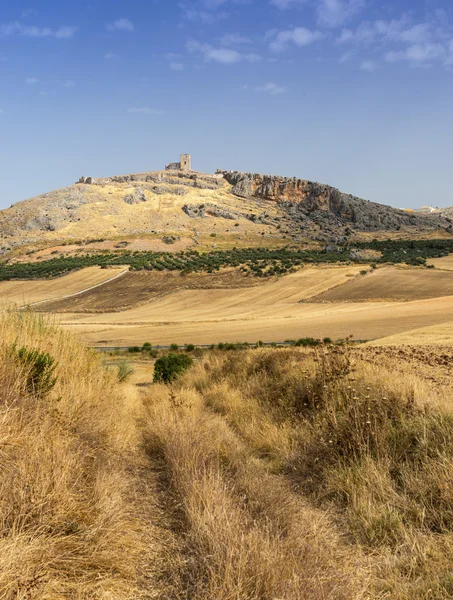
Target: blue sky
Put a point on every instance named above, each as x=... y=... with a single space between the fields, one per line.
x=354 y=93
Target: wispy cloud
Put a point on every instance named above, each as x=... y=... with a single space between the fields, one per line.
x=19 y=29
x=271 y=88
x=121 y=25
x=110 y=56
x=396 y=30
x=329 y=13
x=207 y=11
x=299 y=36
x=419 y=53
x=144 y=110
x=2 y=112
x=334 y=13
x=69 y=83
x=175 y=66
x=368 y=65
x=234 y=40
x=31 y=81
x=285 y=4
x=403 y=40
x=224 y=56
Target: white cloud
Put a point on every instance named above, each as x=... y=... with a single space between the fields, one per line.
x=207 y=11
x=234 y=39
x=271 y=88
x=300 y=36
x=110 y=56
x=69 y=83
x=285 y=4
x=224 y=56
x=403 y=40
x=19 y=29
x=31 y=81
x=333 y=13
x=175 y=66
x=121 y=25
x=202 y=12
x=397 y=30
x=368 y=65
x=419 y=53
x=144 y=111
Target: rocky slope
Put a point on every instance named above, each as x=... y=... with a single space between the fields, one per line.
x=241 y=208
x=318 y=202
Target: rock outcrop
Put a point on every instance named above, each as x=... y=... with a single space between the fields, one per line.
x=324 y=204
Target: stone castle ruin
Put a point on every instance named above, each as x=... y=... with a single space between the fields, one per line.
x=185 y=164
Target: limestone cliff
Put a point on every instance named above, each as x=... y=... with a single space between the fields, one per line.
x=325 y=204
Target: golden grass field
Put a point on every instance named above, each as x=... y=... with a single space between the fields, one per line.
x=392 y=304
x=259 y=475
x=276 y=311
x=21 y=293
x=393 y=283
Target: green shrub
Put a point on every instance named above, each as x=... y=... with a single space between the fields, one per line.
x=147 y=347
x=170 y=367
x=190 y=347
x=133 y=349
x=174 y=347
x=125 y=370
x=39 y=368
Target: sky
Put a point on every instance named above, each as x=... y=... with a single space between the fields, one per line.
x=353 y=93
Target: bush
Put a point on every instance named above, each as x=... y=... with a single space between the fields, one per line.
x=190 y=347
x=40 y=367
x=174 y=347
x=125 y=370
x=170 y=367
x=133 y=349
x=147 y=347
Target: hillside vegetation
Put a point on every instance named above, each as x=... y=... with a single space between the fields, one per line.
x=260 y=474
x=187 y=207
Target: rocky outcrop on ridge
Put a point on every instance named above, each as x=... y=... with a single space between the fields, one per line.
x=324 y=204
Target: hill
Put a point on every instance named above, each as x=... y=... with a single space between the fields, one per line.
x=175 y=209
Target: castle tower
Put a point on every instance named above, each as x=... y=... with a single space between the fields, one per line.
x=185 y=162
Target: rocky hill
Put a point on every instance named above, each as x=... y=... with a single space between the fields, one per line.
x=191 y=208
x=325 y=204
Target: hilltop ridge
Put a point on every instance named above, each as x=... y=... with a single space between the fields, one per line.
x=241 y=208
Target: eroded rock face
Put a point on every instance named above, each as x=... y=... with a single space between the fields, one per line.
x=324 y=204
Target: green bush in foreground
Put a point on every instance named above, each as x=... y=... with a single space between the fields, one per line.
x=170 y=367
x=40 y=368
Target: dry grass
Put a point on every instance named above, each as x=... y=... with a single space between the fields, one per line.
x=392 y=284
x=22 y=293
x=135 y=289
x=356 y=441
x=70 y=525
x=259 y=475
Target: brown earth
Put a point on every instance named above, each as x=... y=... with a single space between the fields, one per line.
x=135 y=289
